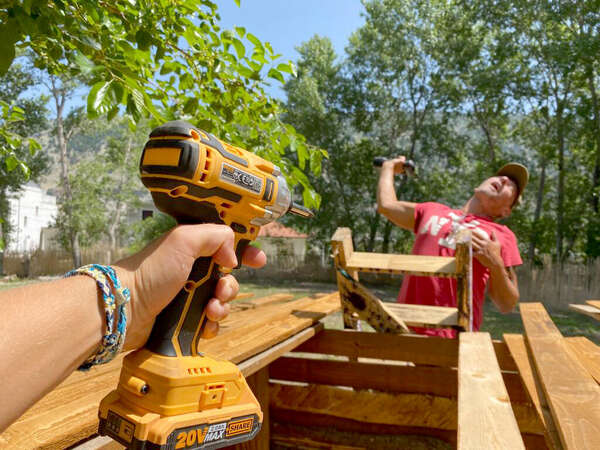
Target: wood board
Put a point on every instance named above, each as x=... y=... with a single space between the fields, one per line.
x=572 y=394
x=587 y=353
x=485 y=416
x=588 y=310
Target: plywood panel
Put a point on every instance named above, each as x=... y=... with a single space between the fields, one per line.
x=485 y=416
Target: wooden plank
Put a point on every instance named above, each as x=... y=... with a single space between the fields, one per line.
x=257 y=362
x=516 y=345
x=64 y=416
x=358 y=302
x=423 y=316
x=464 y=280
x=485 y=417
x=69 y=413
x=418 y=349
x=588 y=310
x=259 y=383
x=397 y=409
x=439 y=266
x=283 y=421
x=270 y=328
x=594 y=303
x=573 y=395
x=255 y=303
x=587 y=353
x=382 y=376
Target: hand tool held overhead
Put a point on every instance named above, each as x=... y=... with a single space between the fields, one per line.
x=410 y=167
x=170 y=395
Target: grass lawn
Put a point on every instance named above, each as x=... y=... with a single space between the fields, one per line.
x=569 y=323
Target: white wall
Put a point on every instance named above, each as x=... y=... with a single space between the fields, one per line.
x=31 y=209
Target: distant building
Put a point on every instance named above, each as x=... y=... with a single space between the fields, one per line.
x=282 y=244
x=30 y=210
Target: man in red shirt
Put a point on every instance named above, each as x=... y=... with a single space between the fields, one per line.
x=435 y=225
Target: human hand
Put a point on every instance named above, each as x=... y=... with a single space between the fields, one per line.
x=396 y=164
x=487 y=250
x=157 y=273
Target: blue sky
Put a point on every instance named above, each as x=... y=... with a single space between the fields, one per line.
x=286 y=24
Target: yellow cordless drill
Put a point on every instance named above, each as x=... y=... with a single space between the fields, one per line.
x=171 y=396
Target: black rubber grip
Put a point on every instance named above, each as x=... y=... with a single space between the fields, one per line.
x=378 y=161
x=193 y=320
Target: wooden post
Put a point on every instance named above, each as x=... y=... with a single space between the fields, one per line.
x=464 y=281
x=259 y=383
x=342 y=249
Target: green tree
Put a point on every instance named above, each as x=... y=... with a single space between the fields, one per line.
x=26 y=117
x=161 y=59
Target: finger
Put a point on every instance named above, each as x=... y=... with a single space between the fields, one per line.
x=217 y=310
x=477 y=241
x=494 y=238
x=227 y=288
x=211 y=329
x=254 y=257
x=208 y=240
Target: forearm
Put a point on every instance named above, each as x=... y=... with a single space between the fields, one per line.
x=386 y=194
x=503 y=289
x=399 y=212
x=49 y=329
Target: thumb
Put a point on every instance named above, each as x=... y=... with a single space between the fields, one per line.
x=208 y=240
x=494 y=238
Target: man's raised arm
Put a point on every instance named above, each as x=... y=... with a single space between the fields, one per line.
x=399 y=212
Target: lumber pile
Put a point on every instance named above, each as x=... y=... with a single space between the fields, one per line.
x=250 y=337
x=326 y=388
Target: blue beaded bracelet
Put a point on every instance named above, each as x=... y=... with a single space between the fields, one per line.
x=112 y=342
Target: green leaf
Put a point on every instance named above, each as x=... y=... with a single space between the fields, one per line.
x=11 y=163
x=287 y=68
x=143 y=39
x=254 y=40
x=96 y=97
x=276 y=75
x=33 y=146
x=85 y=65
x=239 y=47
x=241 y=31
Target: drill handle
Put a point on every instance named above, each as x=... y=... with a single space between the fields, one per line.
x=180 y=324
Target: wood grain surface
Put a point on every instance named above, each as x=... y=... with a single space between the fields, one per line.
x=572 y=393
x=485 y=416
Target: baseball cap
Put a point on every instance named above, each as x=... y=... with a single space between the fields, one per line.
x=519 y=174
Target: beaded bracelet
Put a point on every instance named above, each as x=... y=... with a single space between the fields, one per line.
x=112 y=342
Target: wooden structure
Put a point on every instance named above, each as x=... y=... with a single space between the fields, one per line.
x=330 y=388
x=359 y=303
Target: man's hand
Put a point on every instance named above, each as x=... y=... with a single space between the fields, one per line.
x=503 y=288
x=486 y=250
x=397 y=164
x=158 y=272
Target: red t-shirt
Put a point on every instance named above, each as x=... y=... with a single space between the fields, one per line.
x=434 y=223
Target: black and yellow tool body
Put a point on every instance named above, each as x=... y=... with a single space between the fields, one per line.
x=170 y=395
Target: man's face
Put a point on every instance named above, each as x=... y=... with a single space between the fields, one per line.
x=497 y=195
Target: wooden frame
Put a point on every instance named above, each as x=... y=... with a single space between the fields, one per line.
x=359 y=303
